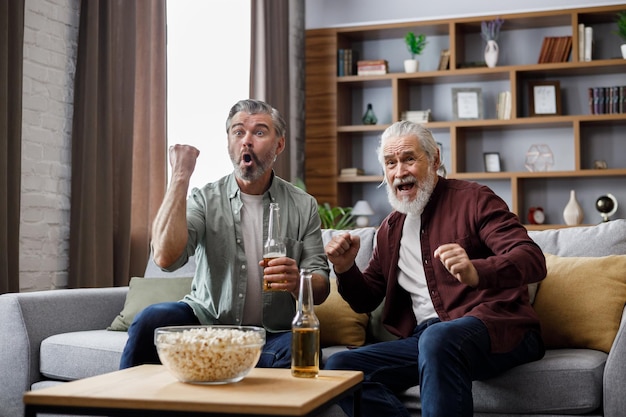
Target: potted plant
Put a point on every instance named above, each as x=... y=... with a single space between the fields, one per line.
x=621 y=30
x=490 y=31
x=415 y=45
x=335 y=217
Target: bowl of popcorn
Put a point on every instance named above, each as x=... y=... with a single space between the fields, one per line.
x=209 y=354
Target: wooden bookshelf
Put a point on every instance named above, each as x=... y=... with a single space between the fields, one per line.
x=334 y=105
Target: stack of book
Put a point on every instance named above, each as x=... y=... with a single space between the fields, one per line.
x=607 y=100
x=351 y=172
x=346 y=59
x=555 y=49
x=585 y=40
x=503 y=109
x=372 y=67
x=417 y=116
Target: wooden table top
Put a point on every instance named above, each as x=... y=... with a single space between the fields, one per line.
x=152 y=387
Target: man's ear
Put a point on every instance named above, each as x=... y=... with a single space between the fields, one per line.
x=281 y=145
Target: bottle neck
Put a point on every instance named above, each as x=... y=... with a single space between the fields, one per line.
x=305 y=297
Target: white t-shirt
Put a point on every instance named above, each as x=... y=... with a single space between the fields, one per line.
x=411 y=276
x=252 y=228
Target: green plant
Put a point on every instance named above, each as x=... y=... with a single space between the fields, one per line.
x=415 y=44
x=335 y=217
x=621 y=25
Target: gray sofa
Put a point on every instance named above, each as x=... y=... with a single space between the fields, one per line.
x=60 y=335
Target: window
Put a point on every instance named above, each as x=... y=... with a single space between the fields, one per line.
x=208 y=67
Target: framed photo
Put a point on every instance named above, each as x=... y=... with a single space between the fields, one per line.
x=467 y=103
x=444 y=60
x=544 y=98
x=492 y=162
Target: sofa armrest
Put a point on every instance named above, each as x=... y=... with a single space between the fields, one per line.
x=615 y=374
x=28 y=318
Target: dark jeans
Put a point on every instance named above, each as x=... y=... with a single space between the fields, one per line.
x=140 y=347
x=442 y=357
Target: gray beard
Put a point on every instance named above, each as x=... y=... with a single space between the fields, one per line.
x=251 y=174
x=415 y=207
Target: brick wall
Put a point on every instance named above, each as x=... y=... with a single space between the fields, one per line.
x=50 y=39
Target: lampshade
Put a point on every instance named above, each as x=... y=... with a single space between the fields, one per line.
x=362 y=208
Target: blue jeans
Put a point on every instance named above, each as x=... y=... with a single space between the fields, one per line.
x=442 y=357
x=140 y=347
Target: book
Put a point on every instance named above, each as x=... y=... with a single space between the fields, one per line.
x=588 y=42
x=566 y=49
x=340 y=59
x=381 y=71
x=581 y=42
x=350 y=172
x=365 y=63
x=372 y=67
x=417 y=116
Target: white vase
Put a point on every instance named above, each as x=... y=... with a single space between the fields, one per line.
x=491 y=53
x=411 y=65
x=623 y=50
x=573 y=213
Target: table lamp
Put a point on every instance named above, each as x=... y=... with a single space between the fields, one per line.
x=361 y=210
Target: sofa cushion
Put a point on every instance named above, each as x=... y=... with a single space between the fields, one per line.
x=339 y=324
x=580 y=302
x=600 y=240
x=367 y=236
x=75 y=355
x=565 y=381
x=143 y=292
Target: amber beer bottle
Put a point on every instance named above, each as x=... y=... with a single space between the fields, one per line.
x=305 y=329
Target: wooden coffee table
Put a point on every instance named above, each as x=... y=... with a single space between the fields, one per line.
x=150 y=390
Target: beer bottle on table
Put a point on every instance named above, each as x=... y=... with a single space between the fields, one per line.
x=305 y=329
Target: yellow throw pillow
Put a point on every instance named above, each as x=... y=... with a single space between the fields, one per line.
x=580 y=302
x=339 y=324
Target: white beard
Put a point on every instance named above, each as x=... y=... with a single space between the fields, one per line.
x=415 y=207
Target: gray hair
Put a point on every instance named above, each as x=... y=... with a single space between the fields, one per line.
x=405 y=128
x=252 y=106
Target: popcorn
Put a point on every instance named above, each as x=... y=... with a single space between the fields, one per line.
x=209 y=354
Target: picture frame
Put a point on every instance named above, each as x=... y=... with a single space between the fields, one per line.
x=467 y=103
x=444 y=60
x=544 y=98
x=492 y=162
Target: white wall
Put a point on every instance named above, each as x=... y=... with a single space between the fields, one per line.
x=50 y=40
x=331 y=13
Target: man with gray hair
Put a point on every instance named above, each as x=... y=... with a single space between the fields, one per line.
x=452 y=263
x=224 y=224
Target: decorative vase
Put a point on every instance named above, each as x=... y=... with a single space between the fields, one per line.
x=491 y=53
x=573 y=213
x=623 y=50
x=369 y=118
x=411 y=65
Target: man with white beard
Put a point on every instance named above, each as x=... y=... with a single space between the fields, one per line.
x=452 y=263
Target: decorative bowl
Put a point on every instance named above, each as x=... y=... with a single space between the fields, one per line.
x=209 y=354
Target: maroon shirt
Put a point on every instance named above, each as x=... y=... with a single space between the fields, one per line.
x=506 y=258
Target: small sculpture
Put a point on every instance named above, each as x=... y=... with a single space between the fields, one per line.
x=539 y=158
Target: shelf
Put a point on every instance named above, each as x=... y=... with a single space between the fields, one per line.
x=335 y=139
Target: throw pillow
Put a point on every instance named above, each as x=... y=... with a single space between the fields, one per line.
x=580 y=302
x=143 y=292
x=339 y=324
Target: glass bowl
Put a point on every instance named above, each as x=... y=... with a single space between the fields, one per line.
x=209 y=354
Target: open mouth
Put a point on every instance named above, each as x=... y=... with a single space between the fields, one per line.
x=247 y=159
x=405 y=187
